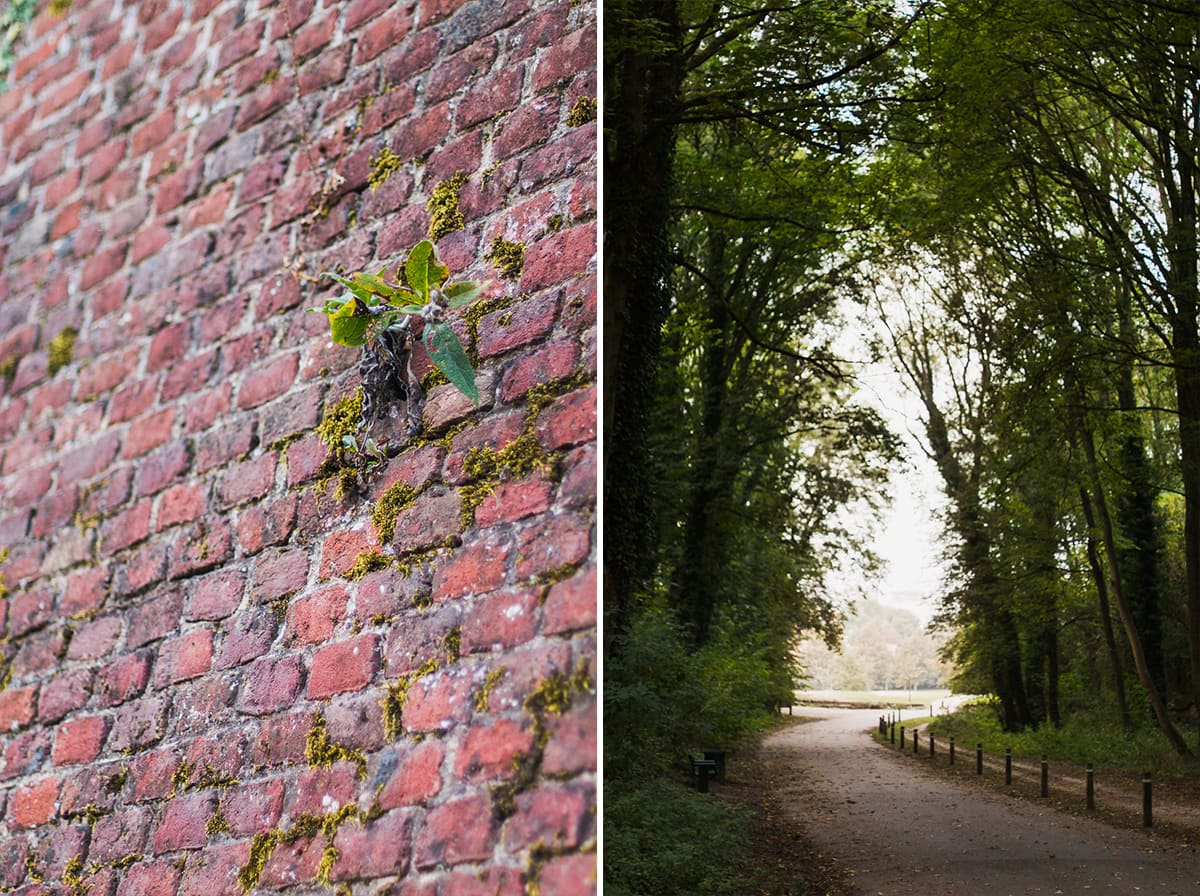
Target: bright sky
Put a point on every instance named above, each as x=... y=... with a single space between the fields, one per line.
x=908 y=537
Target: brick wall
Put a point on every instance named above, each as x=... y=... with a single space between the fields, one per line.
x=218 y=674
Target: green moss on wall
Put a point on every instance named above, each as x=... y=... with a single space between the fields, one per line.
x=444 y=214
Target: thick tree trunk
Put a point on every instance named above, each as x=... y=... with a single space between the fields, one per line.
x=644 y=77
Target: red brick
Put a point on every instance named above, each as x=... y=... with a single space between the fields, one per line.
x=571 y=605
x=439 y=702
x=340 y=551
x=345 y=666
x=552 y=545
x=169 y=344
x=101 y=266
x=381 y=34
x=250 y=808
x=277 y=575
x=184 y=657
x=65 y=693
x=547 y=363
x=132 y=400
x=431 y=519
x=138 y=724
x=217 y=873
x=378 y=848
x=95 y=639
x=248 y=480
x=117 y=834
x=269 y=685
x=217 y=595
x=558 y=814
x=417 y=776
x=281 y=739
x=181 y=504
x=489 y=751
x=126 y=528
x=160 y=468
x=494 y=95
x=157 y=617
x=501 y=619
x=523 y=324
x=183 y=822
x=321 y=790
x=154 y=878
x=291 y=862
x=569 y=56
x=268 y=523
x=222 y=444
x=124 y=678
x=33 y=804
x=459 y=831
x=312 y=619
x=571 y=420
x=572 y=745
x=17 y=707
x=148 y=433
x=512 y=501
x=80 y=739
x=477 y=567
x=570 y=875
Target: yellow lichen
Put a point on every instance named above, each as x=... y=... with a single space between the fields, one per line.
x=444 y=214
x=61 y=350
x=320 y=751
x=218 y=824
x=328 y=857
x=341 y=419
x=507 y=258
x=582 y=112
x=483 y=696
x=398 y=498
x=261 y=848
x=383 y=165
x=367 y=562
x=396 y=697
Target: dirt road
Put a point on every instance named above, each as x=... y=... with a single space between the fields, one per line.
x=898 y=829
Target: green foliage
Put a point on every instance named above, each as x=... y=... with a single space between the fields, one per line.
x=661 y=838
x=1095 y=735
x=373 y=305
x=14 y=16
x=61 y=349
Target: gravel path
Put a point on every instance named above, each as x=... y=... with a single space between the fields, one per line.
x=899 y=829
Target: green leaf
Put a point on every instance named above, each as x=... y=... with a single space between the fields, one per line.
x=349 y=325
x=423 y=270
x=460 y=294
x=448 y=356
x=375 y=284
x=331 y=306
x=361 y=291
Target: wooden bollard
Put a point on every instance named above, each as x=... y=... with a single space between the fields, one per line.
x=901 y=737
x=916 y=740
x=893 y=732
x=952 y=750
x=1045 y=777
x=979 y=759
x=1008 y=765
x=1147 y=802
x=932 y=747
x=1091 y=787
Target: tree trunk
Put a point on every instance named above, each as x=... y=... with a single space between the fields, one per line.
x=1110 y=640
x=642 y=106
x=1135 y=642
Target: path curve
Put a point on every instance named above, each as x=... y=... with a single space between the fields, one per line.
x=899 y=829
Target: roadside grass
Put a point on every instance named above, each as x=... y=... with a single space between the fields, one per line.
x=873 y=698
x=1096 y=738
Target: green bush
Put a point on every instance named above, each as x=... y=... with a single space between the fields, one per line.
x=661 y=839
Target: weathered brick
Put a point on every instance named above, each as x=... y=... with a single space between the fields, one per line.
x=183 y=822
x=80 y=739
x=95 y=639
x=478 y=567
x=571 y=604
x=461 y=830
x=33 y=804
x=17 y=708
x=378 y=848
x=248 y=480
x=269 y=685
x=124 y=678
x=489 y=751
x=67 y=692
x=501 y=619
x=312 y=619
x=344 y=666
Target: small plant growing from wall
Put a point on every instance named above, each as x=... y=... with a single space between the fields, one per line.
x=384 y=319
